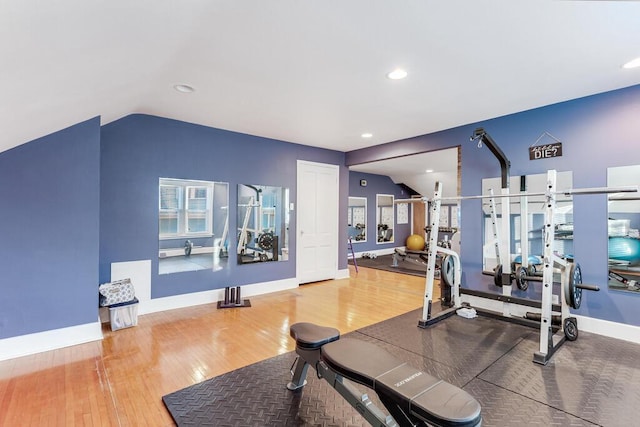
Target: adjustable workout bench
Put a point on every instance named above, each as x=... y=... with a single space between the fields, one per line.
x=412 y=397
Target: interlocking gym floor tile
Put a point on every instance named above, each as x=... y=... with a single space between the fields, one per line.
x=592 y=381
x=596 y=378
x=451 y=374
x=256 y=395
x=469 y=345
x=501 y=407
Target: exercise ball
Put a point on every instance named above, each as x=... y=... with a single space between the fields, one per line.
x=415 y=242
x=624 y=249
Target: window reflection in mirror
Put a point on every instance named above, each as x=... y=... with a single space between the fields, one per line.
x=623 y=230
x=384 y=218
x=263 y=224
x=357 y=219
x=193 y=225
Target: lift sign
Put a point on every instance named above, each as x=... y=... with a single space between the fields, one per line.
x=545 y=151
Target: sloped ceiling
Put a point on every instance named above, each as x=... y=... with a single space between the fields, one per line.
x=311 y=72
x=420 y=171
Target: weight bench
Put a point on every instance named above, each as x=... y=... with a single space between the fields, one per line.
x=412 y=397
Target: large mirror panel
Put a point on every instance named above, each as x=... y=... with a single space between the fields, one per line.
x=385 y=218
x=193 y=225
x=357 y=219
x=527 y=220
x=623 y=225
x=263 y=223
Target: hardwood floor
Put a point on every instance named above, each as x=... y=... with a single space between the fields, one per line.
x=120 y=380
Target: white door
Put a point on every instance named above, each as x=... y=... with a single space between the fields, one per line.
x=317 y=222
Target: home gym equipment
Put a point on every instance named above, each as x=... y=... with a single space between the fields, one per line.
x=233 y=299
x=569 y=271
x=412 y=397
x=415 y=242
x=266 y=246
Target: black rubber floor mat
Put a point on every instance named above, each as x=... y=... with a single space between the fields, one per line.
x=591 y=381
x=595 y=377
x=501 y=407
x=385 y=262
x=256 y=395
x=468 y=345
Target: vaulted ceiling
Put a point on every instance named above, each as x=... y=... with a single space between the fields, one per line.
x=310 y=72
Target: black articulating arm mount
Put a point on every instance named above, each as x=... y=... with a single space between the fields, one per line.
x=481 y=135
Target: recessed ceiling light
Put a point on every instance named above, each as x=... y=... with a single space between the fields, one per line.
x=184 y=88
x=367 y=135
x=429 y=171
x=632 y=64
x=397 y=74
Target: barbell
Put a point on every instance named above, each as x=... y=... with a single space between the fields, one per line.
x=572 y=288
x=567 y=192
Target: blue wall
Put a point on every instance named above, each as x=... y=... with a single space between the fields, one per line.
x=139 y=149
x=49 y=226
x=378 y=184
x=597 y=132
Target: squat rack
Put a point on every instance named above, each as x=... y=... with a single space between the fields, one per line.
x=571 y=277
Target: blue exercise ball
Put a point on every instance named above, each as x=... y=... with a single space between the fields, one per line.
x=624 y=249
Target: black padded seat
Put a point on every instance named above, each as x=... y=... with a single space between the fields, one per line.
x=310 y=336
x=414 y=391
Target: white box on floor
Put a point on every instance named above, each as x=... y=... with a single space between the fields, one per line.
x=124 y=315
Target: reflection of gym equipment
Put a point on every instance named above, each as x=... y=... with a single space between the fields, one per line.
x=384 y=233
x=570 y=274
x=266 y=243
x=412 y=397
x=624 y=283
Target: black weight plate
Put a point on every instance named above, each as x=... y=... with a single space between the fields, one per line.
x=497 y=275
x=521 y=279
x=570 y=328
x=575 y=293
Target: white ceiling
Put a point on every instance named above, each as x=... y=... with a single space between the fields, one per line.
x=311 y=72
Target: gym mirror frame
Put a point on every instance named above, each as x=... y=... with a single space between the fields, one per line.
x=623 y=224
x=193 y=224
x=263 y=224
x=385 y=218
x=357 y=219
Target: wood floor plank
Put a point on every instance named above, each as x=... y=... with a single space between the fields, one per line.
x=120 y=380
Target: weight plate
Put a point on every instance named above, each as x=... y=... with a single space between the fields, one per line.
x=497 y=275
x=265 y=241
x=521 y=279
x=570 y=327
x=573 y=294
x=447 y=270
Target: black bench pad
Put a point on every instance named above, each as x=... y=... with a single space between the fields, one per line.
x=412 y=390
x=310 y=336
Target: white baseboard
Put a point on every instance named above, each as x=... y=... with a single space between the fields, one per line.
x=209 y=297
x=342 y=274
x=609 y=329
x=585 y=324
x=387 y=251
x=25 y=345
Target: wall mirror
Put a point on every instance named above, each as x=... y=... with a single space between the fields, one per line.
x=193 y=225
x=527 y=220
x=384 y=218
x=357 y=219
x=263 y=223
x=623 y=225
